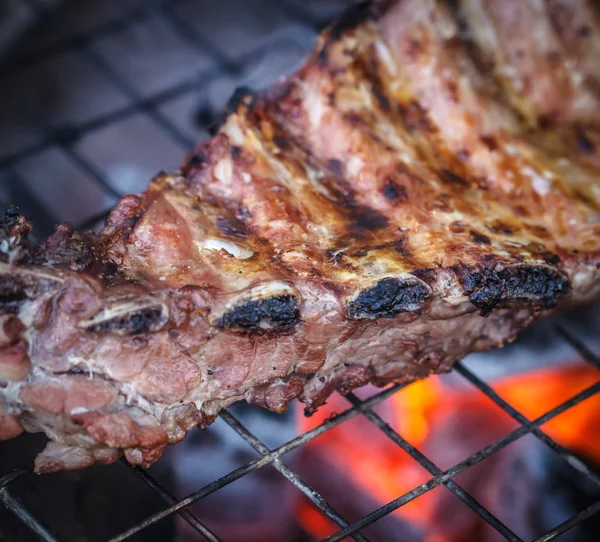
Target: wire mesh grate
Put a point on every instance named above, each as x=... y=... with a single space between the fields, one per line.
x=65 y=137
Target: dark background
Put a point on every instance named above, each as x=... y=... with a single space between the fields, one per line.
x=97 y=96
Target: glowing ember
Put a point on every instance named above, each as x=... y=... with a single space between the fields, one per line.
x=447 y=423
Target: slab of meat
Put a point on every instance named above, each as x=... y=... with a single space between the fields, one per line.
x=424 y=187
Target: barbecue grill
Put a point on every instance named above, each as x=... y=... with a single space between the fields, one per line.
x=223 y=68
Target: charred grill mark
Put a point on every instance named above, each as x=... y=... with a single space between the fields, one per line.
x=479 y=238
x=262 y=314
x=539 y=231
x=394 y=192
x=236 y=152
x=500 y=228
x=584 y=143
x=453 y=178
x=415 y=118
x=490 y=142
x=360 y=220
x=281 y=141
x=540 y=285
x=370 y=70
x=379 y=94
x=399 y=245
x=388 y=298
x=364 y=220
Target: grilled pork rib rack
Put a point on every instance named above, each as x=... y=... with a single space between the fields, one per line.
x=424 y=187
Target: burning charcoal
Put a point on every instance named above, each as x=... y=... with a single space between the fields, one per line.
x=359 y=468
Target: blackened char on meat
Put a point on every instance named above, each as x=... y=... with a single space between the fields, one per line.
x=388 y=298
x=424 y=187
x=272 y=312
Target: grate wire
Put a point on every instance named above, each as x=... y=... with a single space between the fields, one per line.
x=432 y=468
x=571 y=458
x=190 y=518
x=75 y=40
x=28 y=518
x=587 y=513
x=313 y=495
x=579 y=346
x=464 y=464
x=256 y=464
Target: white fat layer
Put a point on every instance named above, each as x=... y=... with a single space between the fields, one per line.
x=448 y=289
x=134 y=398
x=87 y=363
x=271 y=289
x=354 y=166
x=235 y=250
x=36 y=273
x=314 y=105
x=118 y=309
x=232 y=129
x=540 y=183
x=386 y=57
x=314 y=177
x=223 y=171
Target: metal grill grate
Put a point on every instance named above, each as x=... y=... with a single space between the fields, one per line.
x=65 y=138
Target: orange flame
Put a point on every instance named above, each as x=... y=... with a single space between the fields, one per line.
x=376 y=465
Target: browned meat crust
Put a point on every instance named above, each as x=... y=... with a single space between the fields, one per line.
x=423 y=188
